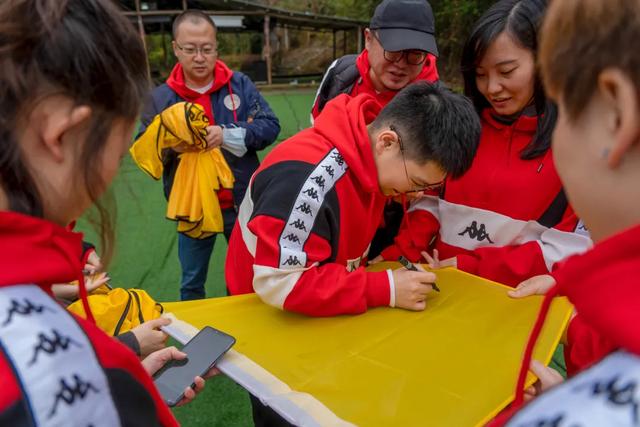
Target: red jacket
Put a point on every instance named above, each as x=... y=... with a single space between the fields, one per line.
x=56 y=368
x=362 y=82
x=604 y=286
x=506 y=219
x=306 y=222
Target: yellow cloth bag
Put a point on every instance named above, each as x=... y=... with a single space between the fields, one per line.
x=454 y=364
x=193 y=201
x=119 y=310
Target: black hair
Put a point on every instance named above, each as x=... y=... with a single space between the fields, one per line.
x=193 y=15
x=85 y=50
x=521 y=19
x=435 y=124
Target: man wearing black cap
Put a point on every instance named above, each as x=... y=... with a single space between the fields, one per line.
x=400 y=48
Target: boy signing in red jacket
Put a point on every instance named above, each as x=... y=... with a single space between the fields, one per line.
x=313 y=206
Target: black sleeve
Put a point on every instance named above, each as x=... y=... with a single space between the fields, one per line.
x=130 y=340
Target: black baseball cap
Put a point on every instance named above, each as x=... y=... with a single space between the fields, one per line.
x=405 y=24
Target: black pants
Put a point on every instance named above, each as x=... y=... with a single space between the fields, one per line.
x=263 y=416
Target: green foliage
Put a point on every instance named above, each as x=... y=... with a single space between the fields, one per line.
x=454 y=20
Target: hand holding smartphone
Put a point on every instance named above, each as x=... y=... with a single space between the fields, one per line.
x=203 y=351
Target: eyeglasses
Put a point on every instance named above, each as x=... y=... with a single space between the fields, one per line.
x=413 y=57
x=416 y=187
x=194 y=50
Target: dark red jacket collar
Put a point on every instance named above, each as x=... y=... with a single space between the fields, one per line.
x=36 y=251
x=221 y=76
x=525 y=124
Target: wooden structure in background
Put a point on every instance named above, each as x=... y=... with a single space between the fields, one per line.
x=244 y=16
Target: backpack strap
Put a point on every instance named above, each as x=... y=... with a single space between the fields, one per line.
x=339 y=78
x=137 y=300
x=124 y=315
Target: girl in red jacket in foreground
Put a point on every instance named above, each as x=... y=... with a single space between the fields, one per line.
x=507 y=218
x=590 y=71
x=73 y=78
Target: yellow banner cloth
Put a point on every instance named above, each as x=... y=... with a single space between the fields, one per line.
x=193 y=201
x=454 y=364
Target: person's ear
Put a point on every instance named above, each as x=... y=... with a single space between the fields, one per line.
x=367 y=38
x=386 y=141
x=621 y=96
x=174 y=46
x=59 y=122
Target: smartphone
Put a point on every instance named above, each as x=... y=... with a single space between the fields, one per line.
x=203 y=351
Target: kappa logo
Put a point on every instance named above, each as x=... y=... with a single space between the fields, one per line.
x=311 y=192
x=478 y=233
x=25 y=308
x=70 y=392
x=51 y=344
x=319 y=180
x=330 y=170
x=617 y=392
x=292 y=238
x=299 y=224
x=338 y=158
x=305 y=208
x=292 y=260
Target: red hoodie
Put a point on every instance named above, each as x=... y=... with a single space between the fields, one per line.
x=604 y=286
x=311 y=211
x=501 y=218
x=221 y=77
x=55 y=367
x=364 y=84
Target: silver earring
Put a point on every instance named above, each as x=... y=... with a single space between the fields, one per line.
x=605 y=152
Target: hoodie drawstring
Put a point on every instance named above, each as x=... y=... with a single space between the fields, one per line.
x=528 y=353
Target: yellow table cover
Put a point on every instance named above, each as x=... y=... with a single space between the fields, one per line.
x=454 y=364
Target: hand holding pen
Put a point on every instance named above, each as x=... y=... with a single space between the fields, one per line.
x=412 y=287
x=409 y=266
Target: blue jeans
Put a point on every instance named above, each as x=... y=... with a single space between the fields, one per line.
x=194 y=255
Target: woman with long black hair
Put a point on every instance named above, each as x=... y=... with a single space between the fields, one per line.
x=507 y=218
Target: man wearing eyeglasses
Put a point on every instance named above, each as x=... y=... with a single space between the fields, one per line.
x=400 y=48
x=242 y=123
